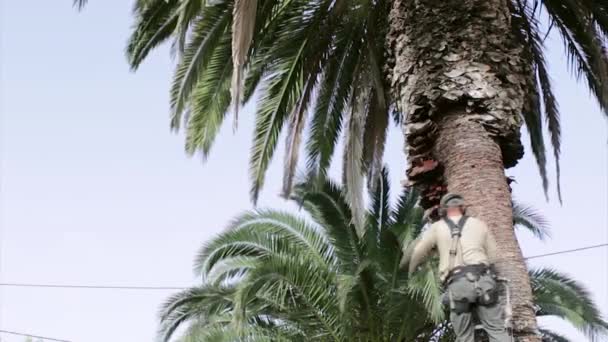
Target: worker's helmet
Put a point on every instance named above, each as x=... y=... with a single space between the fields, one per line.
x=451 y=200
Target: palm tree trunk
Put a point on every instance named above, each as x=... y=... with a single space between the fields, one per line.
x=474 y=168
x=463 y=81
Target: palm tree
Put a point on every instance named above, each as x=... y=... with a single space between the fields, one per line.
x=460 y=77
x=282 y=277
x=466 y=76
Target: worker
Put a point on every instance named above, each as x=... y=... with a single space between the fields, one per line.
x=467 y=252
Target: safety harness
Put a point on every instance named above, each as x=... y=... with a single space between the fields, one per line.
x=473 y=273
x=467 y=270
x=456 y=232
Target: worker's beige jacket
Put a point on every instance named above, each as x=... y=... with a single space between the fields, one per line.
x=476 y=246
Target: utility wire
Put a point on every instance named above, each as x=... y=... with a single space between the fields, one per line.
x=174 y=288
x=32 y=336
x=101 y=287
x=567 y=251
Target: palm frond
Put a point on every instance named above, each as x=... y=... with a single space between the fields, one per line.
x=187 y=12
x=199 y=303
x=282 y=90
x=294 y=137
x=206 y=34
x=374 y=137
x=268 y=26
x=376 y=125
x=353 y=157
x=210 y=101
x=598 y=12
x=527 y=30
x=531 y=219
x=559 y=295
x=553 y=119
x=155 y=22
x=381 y=208
x=331 y=101
x=583 y=44
x=293 y=280
x=407 y=216
x=425 y=285
x=328 y=207
x=80 y=4
x=231 y=268
x=262 y=234
x=285 y=84
x=225 y=332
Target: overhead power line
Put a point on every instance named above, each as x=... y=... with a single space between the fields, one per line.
x=101 y=287
x=176 y=288
x=32 y=336
x=567 y=251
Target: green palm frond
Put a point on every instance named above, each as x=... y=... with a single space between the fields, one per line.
x=407 y=216
x=374 y=140
x=210 y=101
x=222 y=332
x=281 y=90
x=206 y=34
x=552 y=115
x=199 y=304
x=291 y=279
x=376 y=126
x=380 y=202
x=577 y=23
x=263 y=234
x=328 y=207
x=155 y=22
x=381 y=243
x=186 y=12
x=531 y=219
x=267 y=24
x=281 y=93
x=526 y=27
x=559 y=295
x=312 y=72
x=425 y=285
x=331 y=102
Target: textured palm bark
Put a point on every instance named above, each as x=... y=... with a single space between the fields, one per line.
x=462 y=81
x=465 y=53
x=474 y=168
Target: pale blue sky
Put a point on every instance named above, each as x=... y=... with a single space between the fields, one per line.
x=95 y=189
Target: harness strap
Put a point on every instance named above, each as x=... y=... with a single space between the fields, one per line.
x=456 y=232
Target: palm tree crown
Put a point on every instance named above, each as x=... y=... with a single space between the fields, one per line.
x=325 y=59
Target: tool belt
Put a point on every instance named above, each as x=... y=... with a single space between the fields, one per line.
x=468 y=271
x=486 y=290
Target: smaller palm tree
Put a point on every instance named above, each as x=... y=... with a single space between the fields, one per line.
x=274 y=276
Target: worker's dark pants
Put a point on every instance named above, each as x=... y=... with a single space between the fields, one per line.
x=464 y=295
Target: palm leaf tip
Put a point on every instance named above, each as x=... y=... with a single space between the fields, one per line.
x=559 y=295
x=79 y=4
x=532 y=220
x=243 y=24
x=206 y=35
